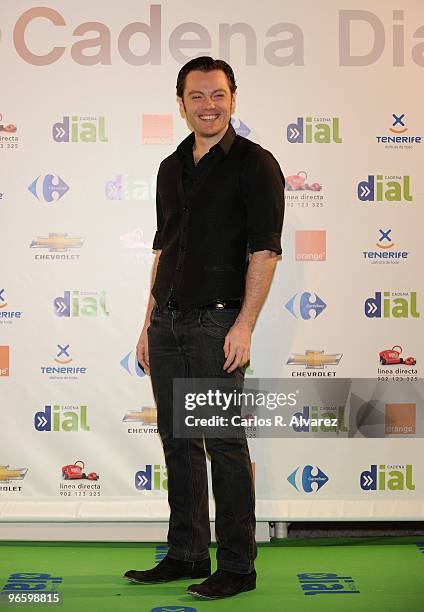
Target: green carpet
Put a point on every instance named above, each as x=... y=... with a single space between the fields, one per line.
x=388 y=573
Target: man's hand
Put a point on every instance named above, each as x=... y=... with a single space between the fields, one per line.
x=143 y=350
x=237 y=346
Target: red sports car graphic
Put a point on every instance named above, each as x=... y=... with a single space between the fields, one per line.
x=76 y=471
x=392 y=357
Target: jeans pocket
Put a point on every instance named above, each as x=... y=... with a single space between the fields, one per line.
x=216 y=323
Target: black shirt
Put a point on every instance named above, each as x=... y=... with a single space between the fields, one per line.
x=211 y=215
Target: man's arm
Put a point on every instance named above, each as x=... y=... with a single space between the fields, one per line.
x=258 y=280
x=142 y=344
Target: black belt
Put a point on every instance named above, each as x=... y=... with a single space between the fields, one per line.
x=172 y=304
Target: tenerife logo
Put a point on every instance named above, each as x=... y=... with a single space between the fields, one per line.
x=48 y=188
x=240 y=128
x=386 y=253
x=154 y=477
x=4 y=361
x=396 y=304
x=25 y=582
x=400 y=419
x=63 y=371
x=383 y=188
x=400 y=122
x=63 y=350
x=307 y=480
x=157 y=129
x=320 y=130
x=306 y=305
x=398 y=138
x=125 y=187
x=326 y=583
x=7 y=473
x=310 y=245
x=319 y=418
x=387 y=477
x=130 y=364
x=62 y=418
x=7 y=316
x=80 y=129
x=81 y=304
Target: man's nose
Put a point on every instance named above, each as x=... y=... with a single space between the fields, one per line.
x=209 y=103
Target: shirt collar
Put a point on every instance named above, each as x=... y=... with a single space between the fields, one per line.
x=185 y=148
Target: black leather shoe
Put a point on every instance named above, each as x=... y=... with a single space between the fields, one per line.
x=170 y=569
x=223 y=584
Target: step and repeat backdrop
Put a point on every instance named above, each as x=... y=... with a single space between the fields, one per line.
x=87 y=112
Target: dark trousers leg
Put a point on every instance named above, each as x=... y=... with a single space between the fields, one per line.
x=189 y=529
x=191 y=345
x=232 y=477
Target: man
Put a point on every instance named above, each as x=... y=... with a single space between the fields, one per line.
x=220 y=206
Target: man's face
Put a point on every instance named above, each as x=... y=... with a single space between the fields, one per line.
x=207 y=102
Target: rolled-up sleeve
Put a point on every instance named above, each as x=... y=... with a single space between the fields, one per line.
x=263 y=187
x=158 y=239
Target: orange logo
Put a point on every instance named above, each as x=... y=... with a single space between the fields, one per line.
x=157 y=129
x=400 y=418
x=4 y=361
x=310 y=245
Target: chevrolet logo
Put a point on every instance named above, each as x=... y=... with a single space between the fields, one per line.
x=147 y=416
x=57 y=242
x=6 y=474
x=314 y=359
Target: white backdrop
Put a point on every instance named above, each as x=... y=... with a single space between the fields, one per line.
x=88 y=111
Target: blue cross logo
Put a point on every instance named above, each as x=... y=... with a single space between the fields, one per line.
x=63 y=350
x=1 y=295
x=398 y=120
x=384 y=235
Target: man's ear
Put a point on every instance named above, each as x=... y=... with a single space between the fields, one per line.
x=181 y=107
x=233 y=102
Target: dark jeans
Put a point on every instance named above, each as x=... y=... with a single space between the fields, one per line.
x=190 y=344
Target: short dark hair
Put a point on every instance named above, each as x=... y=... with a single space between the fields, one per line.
x=205 y=64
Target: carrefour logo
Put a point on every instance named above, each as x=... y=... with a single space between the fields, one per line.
x=131 y=365
x=48 y=188
x=306 y=480
x=306 y=305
